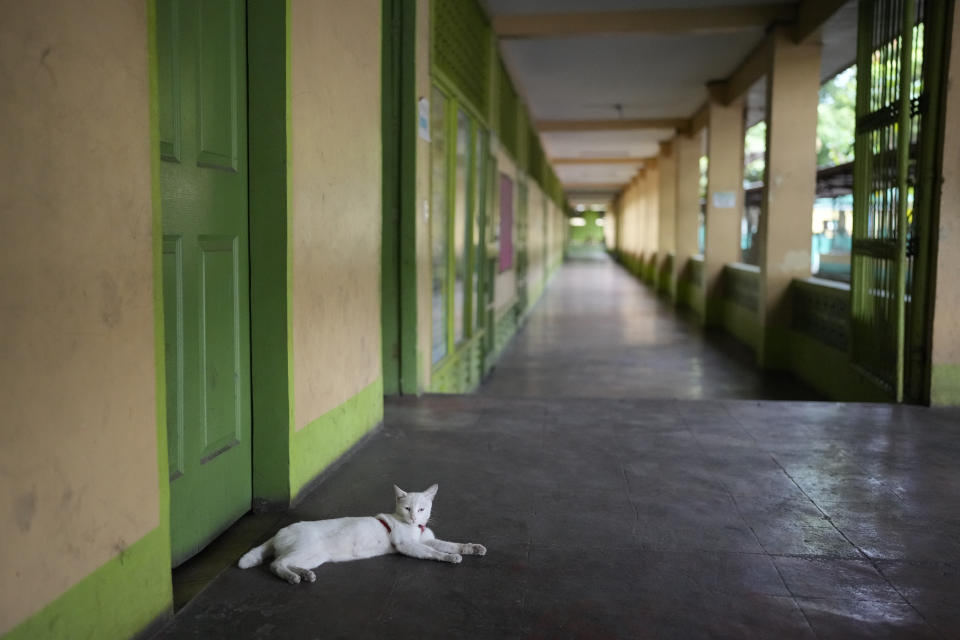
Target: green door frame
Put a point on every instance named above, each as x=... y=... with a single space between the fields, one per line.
x=271 y=272
x=399 y=241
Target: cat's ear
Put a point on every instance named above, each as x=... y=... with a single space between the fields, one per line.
x=432 y=491
x=400 y=492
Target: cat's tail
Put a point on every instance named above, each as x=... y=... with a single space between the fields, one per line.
x=256 y=555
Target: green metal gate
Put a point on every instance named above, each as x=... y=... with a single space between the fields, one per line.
x=899 y=78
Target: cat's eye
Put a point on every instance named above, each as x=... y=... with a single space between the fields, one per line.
x=420 y=509
x=407 y=508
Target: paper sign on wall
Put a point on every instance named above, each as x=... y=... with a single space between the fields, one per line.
x=724 y=199
x=423 y=119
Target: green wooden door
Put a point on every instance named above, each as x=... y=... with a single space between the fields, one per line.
x=201 y=56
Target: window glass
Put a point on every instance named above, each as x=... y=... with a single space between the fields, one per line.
x=438 y=221
x=460 y=230
x=480 y=205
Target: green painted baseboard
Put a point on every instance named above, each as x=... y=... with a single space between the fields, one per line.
x=828 y=370
x=122 y=598
x=320 y=443
x=945 y=385
x=695 y=300
x=461 y=371
x=742 y=323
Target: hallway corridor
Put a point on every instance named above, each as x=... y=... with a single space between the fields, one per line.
x=597 y=333
x=631 y=479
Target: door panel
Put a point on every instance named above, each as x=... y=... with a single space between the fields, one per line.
x=202 y=104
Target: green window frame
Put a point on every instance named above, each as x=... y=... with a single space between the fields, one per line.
x=459 y=159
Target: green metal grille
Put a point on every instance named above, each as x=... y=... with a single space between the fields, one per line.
x=462 y=47
x=535 y=160
x=893 y=101
x=509 y=111
x=523 y=140
x=741 y=285
x=821 y=310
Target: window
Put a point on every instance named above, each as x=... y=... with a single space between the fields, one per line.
x=480 y=205
x=438 y=221
x=506 y=222
x=461 y=232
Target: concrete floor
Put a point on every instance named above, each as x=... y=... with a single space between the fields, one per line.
x=618 y=503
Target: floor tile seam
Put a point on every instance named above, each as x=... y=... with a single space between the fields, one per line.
x=796 y=602
x=935 y=629
x=866 y=556
x=776 y=568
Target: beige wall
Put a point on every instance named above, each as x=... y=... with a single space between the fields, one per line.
x=336 y=155
x=77 y=361
x=946 y=319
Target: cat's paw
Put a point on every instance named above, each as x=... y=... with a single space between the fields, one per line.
x=294 y=579
x=455 y=558
x=306 y=574
x=476 y=549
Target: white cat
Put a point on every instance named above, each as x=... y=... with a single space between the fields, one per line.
x=306 y=545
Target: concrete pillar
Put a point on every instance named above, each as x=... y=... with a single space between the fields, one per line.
x=724 y=201
x=686 y=151
x=945 y=355
x=652 y=200
x=667 y=214
x=641 y=204
x=793 y=84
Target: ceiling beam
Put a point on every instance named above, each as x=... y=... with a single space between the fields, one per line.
x=610 y=125
x=811 y=14
x=620 y=160
x=698 y=121
x=592 y=187
x=659 y=21
x=755 y=66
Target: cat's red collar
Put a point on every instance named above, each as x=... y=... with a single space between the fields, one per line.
x=389 y=530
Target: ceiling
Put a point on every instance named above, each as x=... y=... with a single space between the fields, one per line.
x=633 y=76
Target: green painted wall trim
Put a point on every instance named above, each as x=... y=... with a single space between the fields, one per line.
x=696 y=300
x=945 y=385
x=120 y=599
x=826 y=369
x=320 y=443
x=742 y=323
x=268 y=44
x=158 y=600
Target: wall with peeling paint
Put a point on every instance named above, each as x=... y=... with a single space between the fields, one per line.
x=78 y=369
